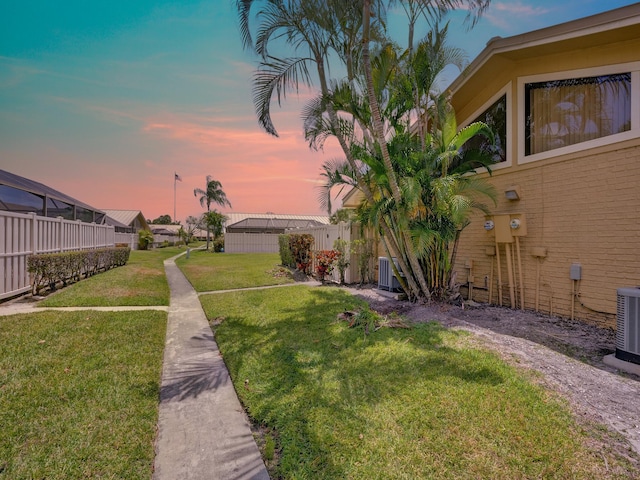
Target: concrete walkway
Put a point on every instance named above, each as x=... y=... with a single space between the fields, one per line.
x=202 y=429
x=203 y=433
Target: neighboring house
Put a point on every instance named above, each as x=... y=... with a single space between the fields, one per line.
x=565 y=101
x=172 y=230
x=22 y=195
x=127 y=221
x=256 y=232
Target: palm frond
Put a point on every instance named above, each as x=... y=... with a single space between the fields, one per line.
x=277 y=76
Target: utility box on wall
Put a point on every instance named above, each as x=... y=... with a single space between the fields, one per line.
x=506 y=226
x=502 y=228
x=518 y=224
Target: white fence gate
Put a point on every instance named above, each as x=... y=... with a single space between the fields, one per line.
x=22 y=235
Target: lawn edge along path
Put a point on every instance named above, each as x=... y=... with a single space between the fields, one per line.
x=203 y=431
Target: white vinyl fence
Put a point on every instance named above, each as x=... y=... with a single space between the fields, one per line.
x=251 y=243
x=324 y=238
x=130 y=239
x=22 y=235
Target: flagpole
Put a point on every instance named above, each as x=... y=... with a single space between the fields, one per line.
x=175 y=179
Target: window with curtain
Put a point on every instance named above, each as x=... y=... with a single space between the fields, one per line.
x=565 y=112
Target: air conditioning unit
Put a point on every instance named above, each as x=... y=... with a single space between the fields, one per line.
x=628 y=325
x=386 y=279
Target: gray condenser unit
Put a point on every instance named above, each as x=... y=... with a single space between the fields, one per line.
x=628 y=325
x=386 y=279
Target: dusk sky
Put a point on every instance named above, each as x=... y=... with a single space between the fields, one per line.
x=105 y=100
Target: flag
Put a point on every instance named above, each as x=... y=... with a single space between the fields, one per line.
x=177 y=177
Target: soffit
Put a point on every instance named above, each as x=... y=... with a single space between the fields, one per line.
x=615 y=26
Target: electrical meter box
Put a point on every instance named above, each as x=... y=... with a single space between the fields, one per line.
x=518 y=225
x=502 y=228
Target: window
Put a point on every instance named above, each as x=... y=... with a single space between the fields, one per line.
x=57 y=208
x=84 y=215
x=496 y=118
x=15 y=200
x=559 y=113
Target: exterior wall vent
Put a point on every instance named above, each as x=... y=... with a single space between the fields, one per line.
x=628 y=325
x=386 y=279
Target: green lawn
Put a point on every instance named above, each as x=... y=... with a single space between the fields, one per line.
x=141 y=282
x=397 y=403
x=79 y=394
x=209 y=272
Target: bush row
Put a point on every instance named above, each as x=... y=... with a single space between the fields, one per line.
x=48 y=269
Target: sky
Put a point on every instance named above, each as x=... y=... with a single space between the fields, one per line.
x=106 y=100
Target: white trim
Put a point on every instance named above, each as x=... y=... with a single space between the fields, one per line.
x=506 y=90
x=633 y=67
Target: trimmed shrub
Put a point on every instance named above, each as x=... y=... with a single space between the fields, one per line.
x=49 y=269
x=218 y=244
x=286 y=257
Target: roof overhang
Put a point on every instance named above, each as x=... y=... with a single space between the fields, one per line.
x=613 y=26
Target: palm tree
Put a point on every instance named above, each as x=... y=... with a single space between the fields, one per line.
x=318 y=31
x=214 y=221
x=212 y=193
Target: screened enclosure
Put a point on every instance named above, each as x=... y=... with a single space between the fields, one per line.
x=21 y=195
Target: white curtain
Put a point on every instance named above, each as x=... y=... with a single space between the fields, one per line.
x=571 y=111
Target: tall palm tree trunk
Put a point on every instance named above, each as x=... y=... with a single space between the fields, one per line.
x=416 y=270
x=389 y=239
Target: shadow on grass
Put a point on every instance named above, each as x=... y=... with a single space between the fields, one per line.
x=304 y=361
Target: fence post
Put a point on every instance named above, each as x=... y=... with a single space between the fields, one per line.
x=60 y=232
x=34 y=233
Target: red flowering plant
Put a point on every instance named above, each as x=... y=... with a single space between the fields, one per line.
x=300 y=246
x=325 y=260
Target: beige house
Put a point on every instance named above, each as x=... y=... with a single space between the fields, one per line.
x=566 y=101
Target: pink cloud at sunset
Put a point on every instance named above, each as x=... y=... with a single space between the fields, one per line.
x=105 y=104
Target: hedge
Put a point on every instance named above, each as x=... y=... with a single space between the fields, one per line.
x=48 y=269
x=286 y=257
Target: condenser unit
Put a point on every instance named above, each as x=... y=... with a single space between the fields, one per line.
x=386 y=279
x=628 y=325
